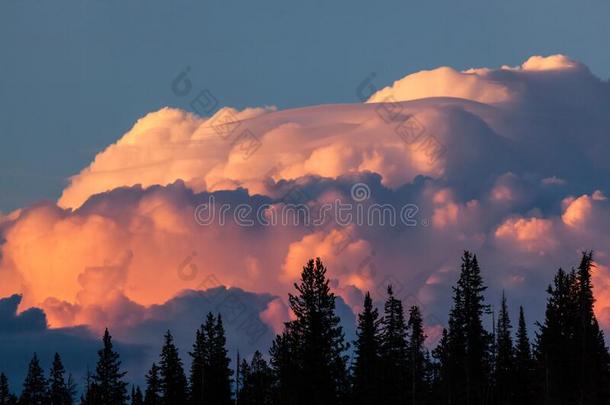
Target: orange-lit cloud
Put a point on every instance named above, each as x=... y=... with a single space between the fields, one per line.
x=485 y=169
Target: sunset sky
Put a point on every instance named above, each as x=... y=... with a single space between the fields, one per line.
x=124 y=125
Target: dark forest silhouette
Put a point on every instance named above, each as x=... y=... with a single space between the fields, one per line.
x=567 y=361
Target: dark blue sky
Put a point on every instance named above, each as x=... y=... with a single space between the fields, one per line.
x=75 y=75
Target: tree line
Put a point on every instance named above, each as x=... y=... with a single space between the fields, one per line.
x=566 y=361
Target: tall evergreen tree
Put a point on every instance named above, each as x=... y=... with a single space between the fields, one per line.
x=220 y=392
x=367 y=349
x=523 y=366
x=468 y=343
x=152 y=395
x=200 y=361
x=6 y=397
x=256 y=382
x=504 y=361
x=136 y=396
x=417 y=359
x=442 y=371
x=241 y=374
x=314 y=343
x=286 y=369
x=572 y=360
x=173 y=379
x=394 y=352
x=211 y=375
x=570 y=363
x=108 y=378
x=35 y=385
x=591 y=352
x=555 y=350
x=59 y=390
x=90 y=396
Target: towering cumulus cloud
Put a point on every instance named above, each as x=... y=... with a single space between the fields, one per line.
x=510 y=162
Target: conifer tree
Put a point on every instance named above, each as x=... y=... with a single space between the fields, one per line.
x=256 y=382
x=35 y=385
x=152 y=395
x=313 y=345
x=59 y=391
x=6 y=397
x=568 y=365
x=591 y=352
x=467 y=367
x=454 y=352
x=90 y=396
x=286 y=369
x=367 y=350
x=504 y=357
x=220 y=390
x=523 y=366
x=200 y=361
x=417 y=359
x=172 y=377
x=441 y=371
x=211 y=376
x=108 y=378
x=394 y=352
x=136 y=396
x=555 y=349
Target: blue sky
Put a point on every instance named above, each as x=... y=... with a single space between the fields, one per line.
x=75 y=75
x=521 y=176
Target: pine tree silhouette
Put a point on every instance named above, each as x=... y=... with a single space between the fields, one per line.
x=200 y=361
x=90 y=396
x=136 y=396
x=568 y=365
x=172 y=378
x=108 y=385
x=152 y=395
x=555 y=343
x=35 y=385
x=6 y=397
x=286 y=369
x=59 y=391
x=467 y=367
x=442 y=371
x=256 y=382
x=220 y=391
x=591 y=352
x=367 y=369
x=313 y=345
x=523 y=367
x=504 y=362
x=394 y=352
x=417 y=359
x=211 y=376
